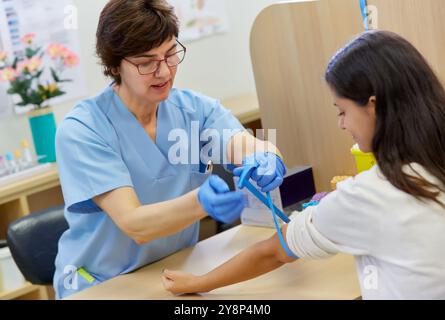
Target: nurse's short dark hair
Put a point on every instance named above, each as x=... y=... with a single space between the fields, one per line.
x=130 y=27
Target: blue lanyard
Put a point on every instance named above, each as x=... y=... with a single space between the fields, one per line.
x=363 y=5
x=268 y=203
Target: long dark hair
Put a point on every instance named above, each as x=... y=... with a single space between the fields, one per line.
x=410 y=106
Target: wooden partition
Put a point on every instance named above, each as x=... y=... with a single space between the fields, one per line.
x=422 y=22
x=291 y=44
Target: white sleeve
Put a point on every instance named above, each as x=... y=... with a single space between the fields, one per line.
x=346 y=220
x=305 y=241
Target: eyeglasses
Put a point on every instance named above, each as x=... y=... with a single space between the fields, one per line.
x=151 y=66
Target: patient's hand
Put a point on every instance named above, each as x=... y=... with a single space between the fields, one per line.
x=178 y=282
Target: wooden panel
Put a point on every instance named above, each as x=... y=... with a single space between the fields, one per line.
x=419 y=21
x=29 y=185
x=45 y=199
x=291 y=44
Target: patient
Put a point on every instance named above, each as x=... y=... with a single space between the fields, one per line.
x=391 y=217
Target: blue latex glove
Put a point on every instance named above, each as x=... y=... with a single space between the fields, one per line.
x=219 y=202
x=265 y=168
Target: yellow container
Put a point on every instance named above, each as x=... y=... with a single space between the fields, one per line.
x=364 y=161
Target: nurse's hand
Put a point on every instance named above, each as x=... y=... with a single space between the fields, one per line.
x=219 y=202
x=265 y=168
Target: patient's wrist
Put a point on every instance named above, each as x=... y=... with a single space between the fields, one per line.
x=204 y=283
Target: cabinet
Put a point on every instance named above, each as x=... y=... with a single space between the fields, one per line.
x=20 y=198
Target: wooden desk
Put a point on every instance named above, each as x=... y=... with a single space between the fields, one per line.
x=334 y=278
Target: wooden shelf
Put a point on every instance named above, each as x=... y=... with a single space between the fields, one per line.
x=20 y=292
x=29 y=185
x=20 y=198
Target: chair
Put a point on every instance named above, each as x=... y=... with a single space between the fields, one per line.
x=33 y=242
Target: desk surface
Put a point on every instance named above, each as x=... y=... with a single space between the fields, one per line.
x=333 y=278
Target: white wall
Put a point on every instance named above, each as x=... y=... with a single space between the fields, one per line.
x=218 y=66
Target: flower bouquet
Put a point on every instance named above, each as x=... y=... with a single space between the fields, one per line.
x=33 y=83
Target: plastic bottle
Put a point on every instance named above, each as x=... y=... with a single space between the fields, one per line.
x=3 y=168
x=27 y=157
x=19 y=160
x=11 y=164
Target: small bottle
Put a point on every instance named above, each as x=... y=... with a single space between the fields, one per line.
x=11 y=164
x=3 y=168
x=27 y=157
x=19 y=160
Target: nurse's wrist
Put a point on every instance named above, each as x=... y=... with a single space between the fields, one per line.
x=198 y=208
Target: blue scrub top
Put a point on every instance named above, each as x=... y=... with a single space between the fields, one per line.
x=100 y=146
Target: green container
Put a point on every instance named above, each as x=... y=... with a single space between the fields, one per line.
x=43 y=128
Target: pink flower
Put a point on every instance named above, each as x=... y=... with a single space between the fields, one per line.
x=28 y=38
x=30 y=64
x=34 y=64
x=3 y=55
x=22 y=66
x=55 y=50
x=8 y=74
x=70 y=59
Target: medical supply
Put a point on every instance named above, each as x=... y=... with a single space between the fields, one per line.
x=19 y=164
x=298 y=185
x=29 y=172
x=10 y=276
x=244 y=182
x=209 y=167
x=265 y=168
x=27 y=156
x=3 y=168
x=363 y=10
x=338 y=179
x=256 y=212
x=277 y=227
x=11 y=163
x=19 y=160
x=315 y=200
x=363 y=160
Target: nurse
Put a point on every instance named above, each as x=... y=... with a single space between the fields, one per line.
x=134 y=191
